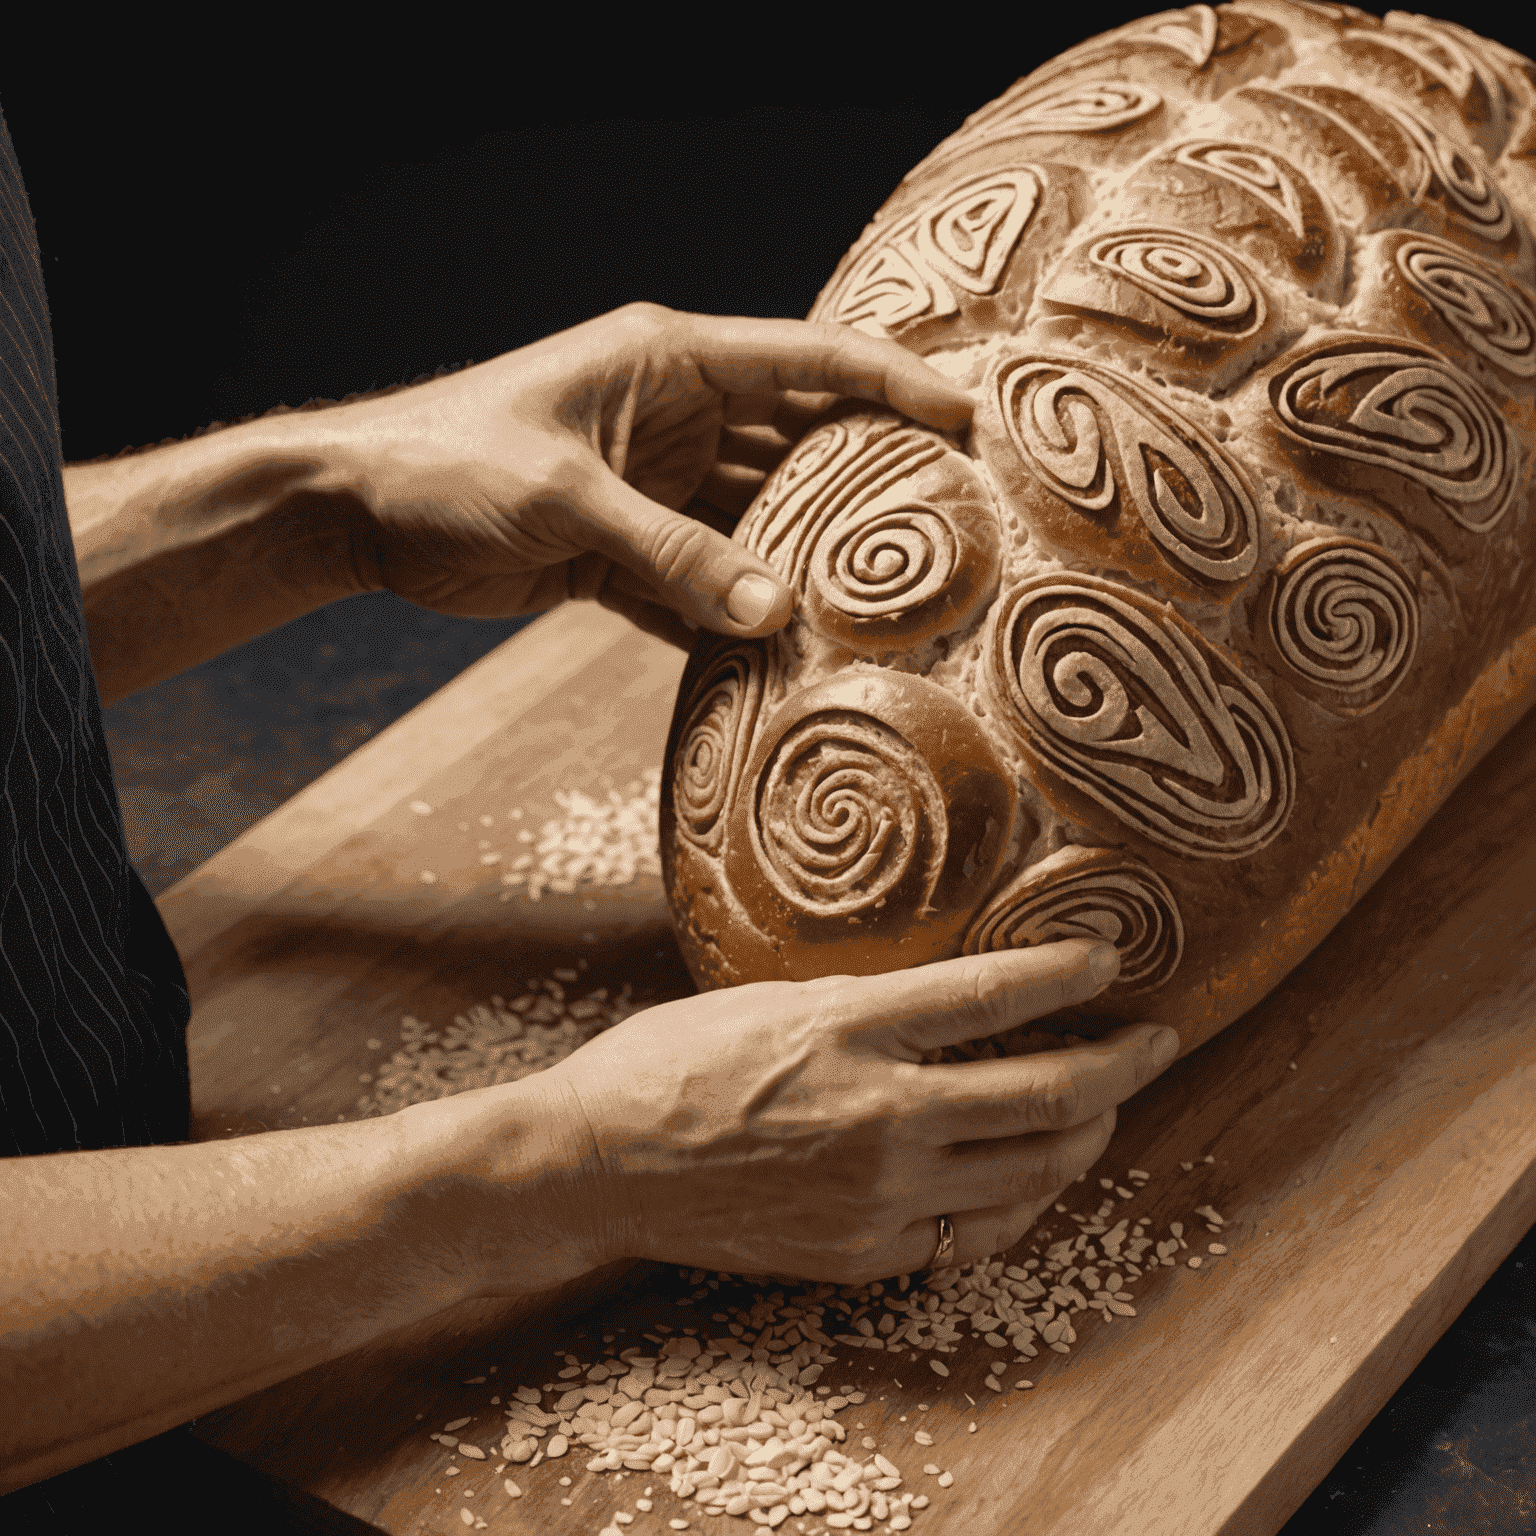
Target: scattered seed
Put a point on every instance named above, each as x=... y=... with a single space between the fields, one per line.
x=1195 y=1261
x=938 y=1366
x=513 y=1491
x=931 y=1470
x=1216 y=1248
x=946 y=1480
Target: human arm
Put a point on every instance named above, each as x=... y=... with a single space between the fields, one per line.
x=607 y=462
x=143 y=1286
x=188 y=550
x=773 y=1128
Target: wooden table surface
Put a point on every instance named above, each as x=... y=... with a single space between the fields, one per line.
x=1368 y=1193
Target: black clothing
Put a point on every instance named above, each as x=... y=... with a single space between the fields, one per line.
x=93 y=999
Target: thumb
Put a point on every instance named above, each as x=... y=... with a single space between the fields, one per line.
x=699 y=573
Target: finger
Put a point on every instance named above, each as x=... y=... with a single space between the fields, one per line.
x=760 y=448
x=712 y=515
x=656 y=621
x=954 y=1001
x=731 y=489
x=1011 y=1170
x=746 y=356
x=1045 y=1091
x=698 y=573
x=787 y=411
x=985 y=1233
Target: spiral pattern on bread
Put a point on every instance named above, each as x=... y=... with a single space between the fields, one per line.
x=1093 y=437
x=1191 y=275
x=1405 y=409
x=1089 y=893
x=844 y=806
x=1345 y=617
x=721 y=710
x=1119 y=698
x=1478 y=305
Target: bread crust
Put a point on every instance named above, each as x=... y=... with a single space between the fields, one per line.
x=1229 y=584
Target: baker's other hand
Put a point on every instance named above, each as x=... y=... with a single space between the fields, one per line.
x=793 y=1129
x=609 y=461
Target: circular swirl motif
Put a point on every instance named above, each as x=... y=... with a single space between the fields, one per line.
x=1089 y=434
x=1125 y=702
x=1196 y=278
x=1089 y=107
x=887 y=564
x=1089 y=893
x=845 y=805
x=1484 y=310
x=1346 y=618
x=1407 y=410
x=1447 y=164
x=719 y=713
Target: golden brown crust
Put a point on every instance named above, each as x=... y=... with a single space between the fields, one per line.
x=1238 y=550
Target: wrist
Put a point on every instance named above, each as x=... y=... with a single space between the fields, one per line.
x=508 y=1188
x=187 y=551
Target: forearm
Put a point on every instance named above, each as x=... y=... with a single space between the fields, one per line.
x=144 y=1286
x=190 y=550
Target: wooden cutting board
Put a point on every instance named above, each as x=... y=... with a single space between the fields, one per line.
x=1368 y=1192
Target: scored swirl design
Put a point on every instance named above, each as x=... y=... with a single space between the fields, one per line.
x=1383 y=403
x=1448 y=164
x=1485 y=311
x=885 y=564
x=887 y=535
x=1189 y=274
x=719 y=716
x=845 y=808
x=1090 y=436
x=1089 y=107
x=1346 y=619
x=1125 y=702
x=1089 y=893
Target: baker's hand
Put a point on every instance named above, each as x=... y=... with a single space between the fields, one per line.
x=563 y=469
x=792 y=1128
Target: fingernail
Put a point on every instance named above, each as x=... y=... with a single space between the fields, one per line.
x=1165 y=1046
x=751 y=600
x=1103 y=963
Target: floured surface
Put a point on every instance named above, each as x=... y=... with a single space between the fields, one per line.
x=1366 y=1195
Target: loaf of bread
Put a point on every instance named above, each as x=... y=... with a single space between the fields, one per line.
x=1229 y=583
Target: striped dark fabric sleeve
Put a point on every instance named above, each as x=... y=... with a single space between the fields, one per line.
x=93 y=999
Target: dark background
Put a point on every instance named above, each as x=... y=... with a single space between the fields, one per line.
x=232 y=222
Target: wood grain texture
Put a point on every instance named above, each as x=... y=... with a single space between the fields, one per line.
x=1368 y=1194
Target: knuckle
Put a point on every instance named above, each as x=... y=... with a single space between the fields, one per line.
x=645 y=316
x=984 y=1001
x=1056 y=1103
